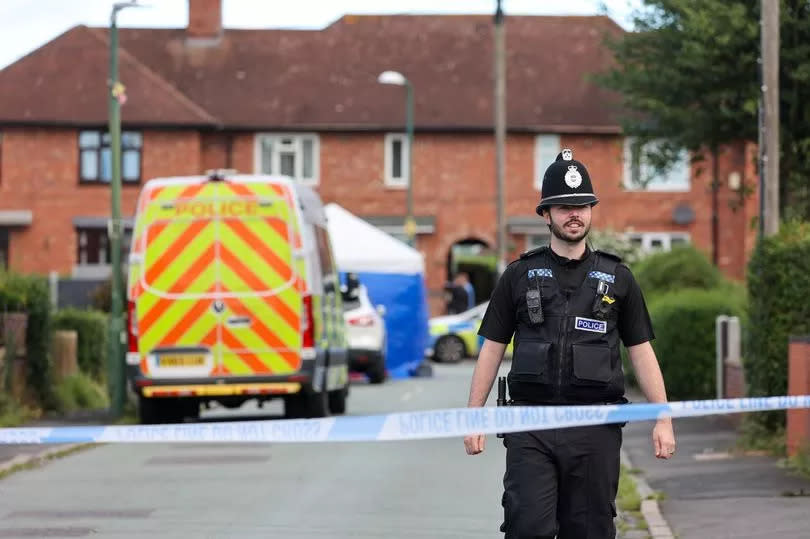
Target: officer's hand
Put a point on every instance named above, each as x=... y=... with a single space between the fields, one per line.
x=474 y=444
x=663 y=439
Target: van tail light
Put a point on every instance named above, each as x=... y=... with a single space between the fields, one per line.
x=132 y=327
x=308 y=324
x=363 y=321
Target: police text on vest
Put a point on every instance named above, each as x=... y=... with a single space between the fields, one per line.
x=588 y=324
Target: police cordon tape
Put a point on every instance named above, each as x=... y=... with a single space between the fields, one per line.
x=418 y=425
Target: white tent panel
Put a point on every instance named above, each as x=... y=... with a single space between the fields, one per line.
x=361 y=247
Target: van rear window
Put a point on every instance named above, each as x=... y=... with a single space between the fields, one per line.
x=196 y=246
x=202 y=256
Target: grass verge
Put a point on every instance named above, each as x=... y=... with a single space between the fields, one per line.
x=36 y=462
x=13 y=414
x=80 y=392
x=754 y=437
x=628 y=503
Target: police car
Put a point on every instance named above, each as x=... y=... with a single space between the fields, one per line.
x=454 y=337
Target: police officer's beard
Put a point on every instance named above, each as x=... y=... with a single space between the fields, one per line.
x=570 y=237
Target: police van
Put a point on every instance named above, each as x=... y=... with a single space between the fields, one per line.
x=233 y=295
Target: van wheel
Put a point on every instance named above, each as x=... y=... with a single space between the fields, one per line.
x=150 y=411
x=190 y=409
x=376 y=373
x=337 y=400
x=304 y=405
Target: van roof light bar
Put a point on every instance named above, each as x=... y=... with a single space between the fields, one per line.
x=219 y=174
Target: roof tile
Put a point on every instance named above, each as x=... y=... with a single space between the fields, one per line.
x=326 y=79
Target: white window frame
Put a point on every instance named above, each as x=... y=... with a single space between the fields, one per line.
x=297 y=147
x=543 y=156
x=389 y=179
x=647 y=238
x=677 y=180
x=533 y=241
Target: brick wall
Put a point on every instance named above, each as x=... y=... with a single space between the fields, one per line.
x=798 y=420
x=40 y=173
x=454 y=181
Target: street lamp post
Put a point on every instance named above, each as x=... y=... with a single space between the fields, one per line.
x=398 y=79
x=117 y=336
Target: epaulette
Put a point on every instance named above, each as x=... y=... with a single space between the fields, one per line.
x=612 y=256
x=533 y=252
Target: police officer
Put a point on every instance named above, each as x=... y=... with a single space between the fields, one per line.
x=567 y=307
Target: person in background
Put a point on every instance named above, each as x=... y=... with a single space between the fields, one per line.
x=463 y=280
x=455 y=297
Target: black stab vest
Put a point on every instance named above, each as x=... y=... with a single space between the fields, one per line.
x=572 y=356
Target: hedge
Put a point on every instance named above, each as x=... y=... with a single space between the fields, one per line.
x=684 y=323
x=31 y=294
x=778 y=288
x=91 y=327
x=80 y=392
x=682 y=267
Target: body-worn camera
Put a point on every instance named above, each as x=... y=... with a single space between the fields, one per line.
x=535 y=305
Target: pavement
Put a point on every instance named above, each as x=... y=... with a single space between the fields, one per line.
x=21 y=454
x=711 y=491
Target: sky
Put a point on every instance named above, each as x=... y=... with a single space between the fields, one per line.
x=25 y=25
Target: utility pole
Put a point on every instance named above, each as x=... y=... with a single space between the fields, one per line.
x=770 y=105
x=117 y=337
x=500 y=132
x=410 y=223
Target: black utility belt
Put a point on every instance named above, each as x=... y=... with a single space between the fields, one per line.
x=532 y=403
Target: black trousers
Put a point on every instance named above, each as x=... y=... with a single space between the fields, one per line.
x=561 y=483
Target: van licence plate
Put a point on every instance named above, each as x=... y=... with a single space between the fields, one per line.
x=181 y=360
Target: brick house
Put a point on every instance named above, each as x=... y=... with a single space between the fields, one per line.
x=307 y=103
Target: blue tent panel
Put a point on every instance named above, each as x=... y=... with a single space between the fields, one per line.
x=406 y=317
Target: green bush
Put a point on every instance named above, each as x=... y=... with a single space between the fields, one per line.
x=31 y=294
x=13 y=292
x=616 y=243
x=91 y=327
x=680 y=268
x=12 y=414
x=778 y=287
x=684 y=323
x=80 y=392
x=38 y=339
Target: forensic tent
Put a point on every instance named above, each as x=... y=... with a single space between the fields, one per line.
x=394 y=275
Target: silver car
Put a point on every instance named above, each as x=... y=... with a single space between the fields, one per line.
x=365 y=332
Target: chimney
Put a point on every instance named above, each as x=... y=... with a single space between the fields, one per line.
x=204 y=19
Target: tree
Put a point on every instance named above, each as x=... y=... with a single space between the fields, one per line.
x=689 y=80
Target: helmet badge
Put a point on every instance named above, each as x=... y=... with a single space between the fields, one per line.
x=573 y=178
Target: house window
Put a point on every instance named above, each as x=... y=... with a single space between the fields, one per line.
x=93 y=246
x=397 y=154
x=546 y=148
x=650 y=242
x=289 y=155
x=641 y=175
x=95 y=157
x=3 y=248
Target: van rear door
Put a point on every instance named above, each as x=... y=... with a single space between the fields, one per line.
x=219 y=281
